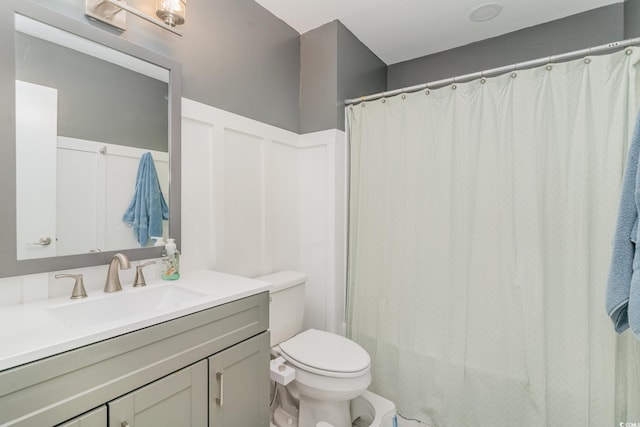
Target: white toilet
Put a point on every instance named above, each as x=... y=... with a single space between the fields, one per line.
x=324 y=373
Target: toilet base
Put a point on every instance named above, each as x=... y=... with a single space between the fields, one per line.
x=281 y=418
x=367 y=410
x=371 y=410
x=313 y=412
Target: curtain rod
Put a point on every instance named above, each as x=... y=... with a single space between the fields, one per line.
x=499 y=70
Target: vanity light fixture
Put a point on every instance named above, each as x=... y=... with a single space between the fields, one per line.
x=113 y=12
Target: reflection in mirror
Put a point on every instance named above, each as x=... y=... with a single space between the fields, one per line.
x=85 y=115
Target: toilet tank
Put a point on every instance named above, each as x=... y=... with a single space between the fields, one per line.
x=286 y=307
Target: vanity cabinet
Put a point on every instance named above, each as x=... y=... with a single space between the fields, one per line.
x=157 y=376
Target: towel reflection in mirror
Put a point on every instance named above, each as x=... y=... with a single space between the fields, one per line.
x=148 y=207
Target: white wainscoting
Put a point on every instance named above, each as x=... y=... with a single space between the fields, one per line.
x=240 y=186
x=322 y=250
x=258 y=199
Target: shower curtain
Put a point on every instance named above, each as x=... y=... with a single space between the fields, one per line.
x=480 y=227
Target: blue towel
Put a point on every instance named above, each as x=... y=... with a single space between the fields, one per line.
x=623 y=287
x=148 y=207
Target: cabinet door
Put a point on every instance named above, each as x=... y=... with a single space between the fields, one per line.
x=95 y=418
x=239 y=384
x=177 y=400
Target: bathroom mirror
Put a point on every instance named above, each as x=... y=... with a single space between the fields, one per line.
x=86 y=106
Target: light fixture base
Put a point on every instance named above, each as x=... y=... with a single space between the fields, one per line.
x=108 y=10
x=103 y=11
x=485 y=12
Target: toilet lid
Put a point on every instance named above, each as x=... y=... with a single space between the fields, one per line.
x=326 y=354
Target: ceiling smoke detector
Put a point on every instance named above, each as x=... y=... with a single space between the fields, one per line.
x=485 y=12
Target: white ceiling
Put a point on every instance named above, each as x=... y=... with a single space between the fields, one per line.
x=399 y=30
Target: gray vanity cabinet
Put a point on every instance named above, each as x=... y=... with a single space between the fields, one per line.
x=239 y=385
x=177 y=400
x=156 y=376
x=95 y=418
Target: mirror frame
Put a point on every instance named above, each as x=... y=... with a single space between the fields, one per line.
x=9 y=264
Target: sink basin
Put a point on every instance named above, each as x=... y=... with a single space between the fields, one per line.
x=123 y=305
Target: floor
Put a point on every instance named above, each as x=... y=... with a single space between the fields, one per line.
x=409 y=423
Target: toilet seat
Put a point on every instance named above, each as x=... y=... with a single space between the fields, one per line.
x=326 y=354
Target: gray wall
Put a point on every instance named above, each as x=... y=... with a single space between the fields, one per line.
x=235 y=55
x=631 y=19
x=319 y=78
x=591 y=28
x=360 y=71
x=335 y=65
x=89 y=107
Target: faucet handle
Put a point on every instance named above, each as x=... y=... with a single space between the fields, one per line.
x=139 y=279
x=78 y=287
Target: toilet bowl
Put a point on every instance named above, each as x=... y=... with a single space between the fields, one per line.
x=330 y=370
x=320 y=375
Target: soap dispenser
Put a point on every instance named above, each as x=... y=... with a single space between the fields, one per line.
x=171 y=261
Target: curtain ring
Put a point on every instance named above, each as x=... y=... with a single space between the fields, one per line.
x=628 y=51
x=588 y=60
x=384 y=100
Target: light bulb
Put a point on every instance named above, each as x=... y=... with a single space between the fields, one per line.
x=172 y=12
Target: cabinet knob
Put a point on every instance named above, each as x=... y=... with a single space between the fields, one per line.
x=124 y=424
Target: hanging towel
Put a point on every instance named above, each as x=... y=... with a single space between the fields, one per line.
x=148 y=207
x=623 y=287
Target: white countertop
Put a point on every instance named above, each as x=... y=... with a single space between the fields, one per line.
x=33 y=331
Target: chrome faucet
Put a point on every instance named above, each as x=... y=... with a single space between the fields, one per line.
x=119 y=261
